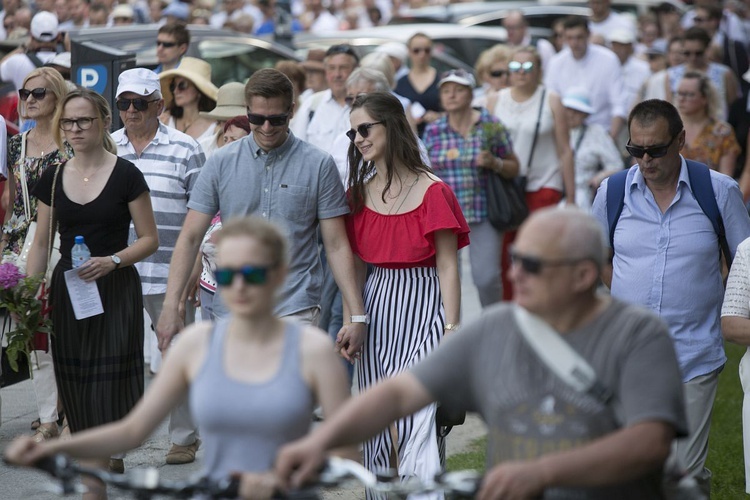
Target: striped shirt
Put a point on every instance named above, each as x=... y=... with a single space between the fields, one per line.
x=170 y=165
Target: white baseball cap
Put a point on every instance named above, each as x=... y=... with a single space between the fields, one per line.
x=140 y=81
x=44 y=27
x=578 y=98
x=394 y=49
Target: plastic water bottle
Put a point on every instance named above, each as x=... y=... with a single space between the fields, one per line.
x=80 y=252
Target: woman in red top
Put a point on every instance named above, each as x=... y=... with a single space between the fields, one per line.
x=407 y=224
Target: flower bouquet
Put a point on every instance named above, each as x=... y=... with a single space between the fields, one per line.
x=18 y=295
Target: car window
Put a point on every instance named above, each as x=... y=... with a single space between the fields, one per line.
x=235 y=62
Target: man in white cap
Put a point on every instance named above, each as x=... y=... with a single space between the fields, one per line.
x=604 y=20
x=170 y=162
x=398 y=54
x=41 y=48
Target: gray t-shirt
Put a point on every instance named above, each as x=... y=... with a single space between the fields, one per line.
x=293 y=186
x=489 y=368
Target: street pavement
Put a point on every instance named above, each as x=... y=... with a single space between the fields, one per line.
x=19 y=409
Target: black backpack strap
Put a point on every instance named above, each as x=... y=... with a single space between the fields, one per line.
x=703 y=190
x=615 y=202
x=35 y=59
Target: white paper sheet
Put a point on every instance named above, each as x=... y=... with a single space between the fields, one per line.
x=84 y=296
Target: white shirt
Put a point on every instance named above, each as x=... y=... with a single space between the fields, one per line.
x=329 y=120
x=220 y=18
x=17 y=67
x=594 y=152
x=635 y=73
x=325 y=22
x=599 y=71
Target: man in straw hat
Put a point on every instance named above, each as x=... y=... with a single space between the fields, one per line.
x=170 y=161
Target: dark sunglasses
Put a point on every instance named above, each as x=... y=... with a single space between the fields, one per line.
x=274 y=120
x=363 y=130
x=696 y=53
x=82 y=123
x=250 y=275
x=182 y=86
x=515 y=66
x=139 y=103
x=499 y=73
x=38 y=94
x=417 y=50
x=652 y=151
x=166 y=45
x=535 y=265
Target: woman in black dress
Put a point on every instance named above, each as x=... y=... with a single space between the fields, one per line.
x=98 y=360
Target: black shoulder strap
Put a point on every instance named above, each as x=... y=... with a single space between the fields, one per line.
x=615 y=202
x=35 y=59
x=703 y=190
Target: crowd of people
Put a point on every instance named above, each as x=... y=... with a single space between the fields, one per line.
x=323 y=207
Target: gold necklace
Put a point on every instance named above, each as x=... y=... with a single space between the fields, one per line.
x=85 y=178
x=46 y=145
x=403 y=200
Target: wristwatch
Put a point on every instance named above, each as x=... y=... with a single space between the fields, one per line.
x=362 y=318
x=117 y=260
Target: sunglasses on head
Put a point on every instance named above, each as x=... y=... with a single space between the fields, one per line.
x=139 y=103
x=498 y=73
x=363 y=130
x=515 y=66
x=166 y=45
x=274 y=120
x=652 y=151
x=182 y=86
x=38 y=94
x=250 y=275
x=535 y=265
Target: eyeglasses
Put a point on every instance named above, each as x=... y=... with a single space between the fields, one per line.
x=535 y=265
x=417 y=50
x=653 y=151
x=166 y=45
x=499 y=73
x=686 y=95
x=694 y=53
x=82 y=123
x=363 y=130
x=139 y=103
x=250 y=275
x=182 y=86
x=515 y=66
x=38 y=94
x=274 y=120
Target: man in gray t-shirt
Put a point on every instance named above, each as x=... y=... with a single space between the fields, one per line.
x=546 y=439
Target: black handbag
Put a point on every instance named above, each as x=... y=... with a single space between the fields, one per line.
x=448 y=417
x=506 y=201
x=506 y=198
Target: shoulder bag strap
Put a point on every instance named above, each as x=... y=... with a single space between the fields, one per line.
x=559 y=357
x=52 y=215
x=536 y=128
x=584 y=128
x=22 y=175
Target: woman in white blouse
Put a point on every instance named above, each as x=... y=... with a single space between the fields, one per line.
x=535 y=118
x=735 y=326
x=594 y=152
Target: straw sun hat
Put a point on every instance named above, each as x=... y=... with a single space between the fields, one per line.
x=229 y=103
x=195 y=70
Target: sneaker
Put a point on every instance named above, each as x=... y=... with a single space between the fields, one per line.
x=179 y=455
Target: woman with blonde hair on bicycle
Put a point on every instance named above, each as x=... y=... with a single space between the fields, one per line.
x=253 y=379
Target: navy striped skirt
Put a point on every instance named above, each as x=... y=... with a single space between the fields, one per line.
x=99 y=360
x=407 y=321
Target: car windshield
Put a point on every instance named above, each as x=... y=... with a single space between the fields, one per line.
x=234 y=62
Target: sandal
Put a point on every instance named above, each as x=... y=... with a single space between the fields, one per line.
x=60 y=419
x=35 y=424
x=45 y=433
x=65 y=432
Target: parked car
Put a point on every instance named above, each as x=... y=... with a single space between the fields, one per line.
x=454 y=46
x=491 y=14
x=233 y=56
x=635 y=7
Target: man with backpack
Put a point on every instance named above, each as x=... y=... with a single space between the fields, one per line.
x=669 y=222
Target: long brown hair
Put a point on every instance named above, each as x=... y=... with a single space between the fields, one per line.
x=402 y=150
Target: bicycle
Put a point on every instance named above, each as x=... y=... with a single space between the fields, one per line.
x=146 y=483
